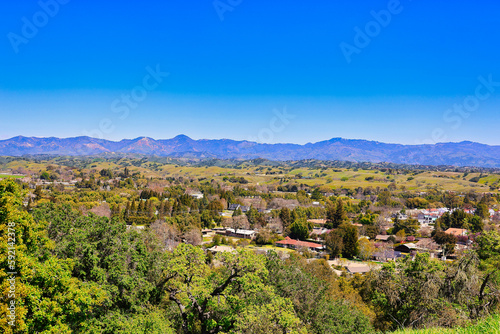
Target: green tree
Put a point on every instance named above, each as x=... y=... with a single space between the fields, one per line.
x=107 y=173
x=372 y=231
x=421 y=292
x=349 y=235
x=237 y=212
x=215 y=206
x=476 y=224
x=409 y=226
x=127 y=264
x=255 y=217
x=366 y=249
x=385 y=198
x=482 y=211
x=315 y=296
x=367 y=219
x=489 y=245
x=286 y=217
x=300 y=229
x=317 y=195
x=334 y=243
x=207 y=218
x=47 y=297
x=230 y=297
x=336 y=215
x=448 y=241
x=459 y=219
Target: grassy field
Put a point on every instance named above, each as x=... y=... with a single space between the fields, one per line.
x=326 y=178
x=4 y=176
x=488 y=326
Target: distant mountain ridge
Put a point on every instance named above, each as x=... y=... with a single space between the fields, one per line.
x=453 y=154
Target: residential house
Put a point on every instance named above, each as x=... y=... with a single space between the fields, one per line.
x=296 y=244
x=383 y=238
x=358 y=268
x=425 y=217
x=234 y=207
x=406 y=248
x=456 y=231
x=240 y=233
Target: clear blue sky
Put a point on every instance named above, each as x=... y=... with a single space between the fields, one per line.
x=227 y=77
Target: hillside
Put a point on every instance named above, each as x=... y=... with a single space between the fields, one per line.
x=452 y=154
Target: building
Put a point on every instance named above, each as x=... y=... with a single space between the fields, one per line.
x=425 y=218
x=456 y=231
x=234 y=207
x=383 y=238
x=239 y=233
x=406 y=248
x=358 y=268
x=296 y=244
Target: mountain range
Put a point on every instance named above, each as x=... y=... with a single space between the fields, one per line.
x=453 y=154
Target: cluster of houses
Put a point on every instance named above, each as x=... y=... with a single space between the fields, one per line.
x=428 y=217
x=416 y=245
x=385 y=249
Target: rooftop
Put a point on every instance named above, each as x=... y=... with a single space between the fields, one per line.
x=298 y=243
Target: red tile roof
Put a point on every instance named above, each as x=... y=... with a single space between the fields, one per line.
x=456 y=231
x=298 y=243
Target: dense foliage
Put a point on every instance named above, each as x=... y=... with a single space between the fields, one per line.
x=119 y=251
x=92 y=275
